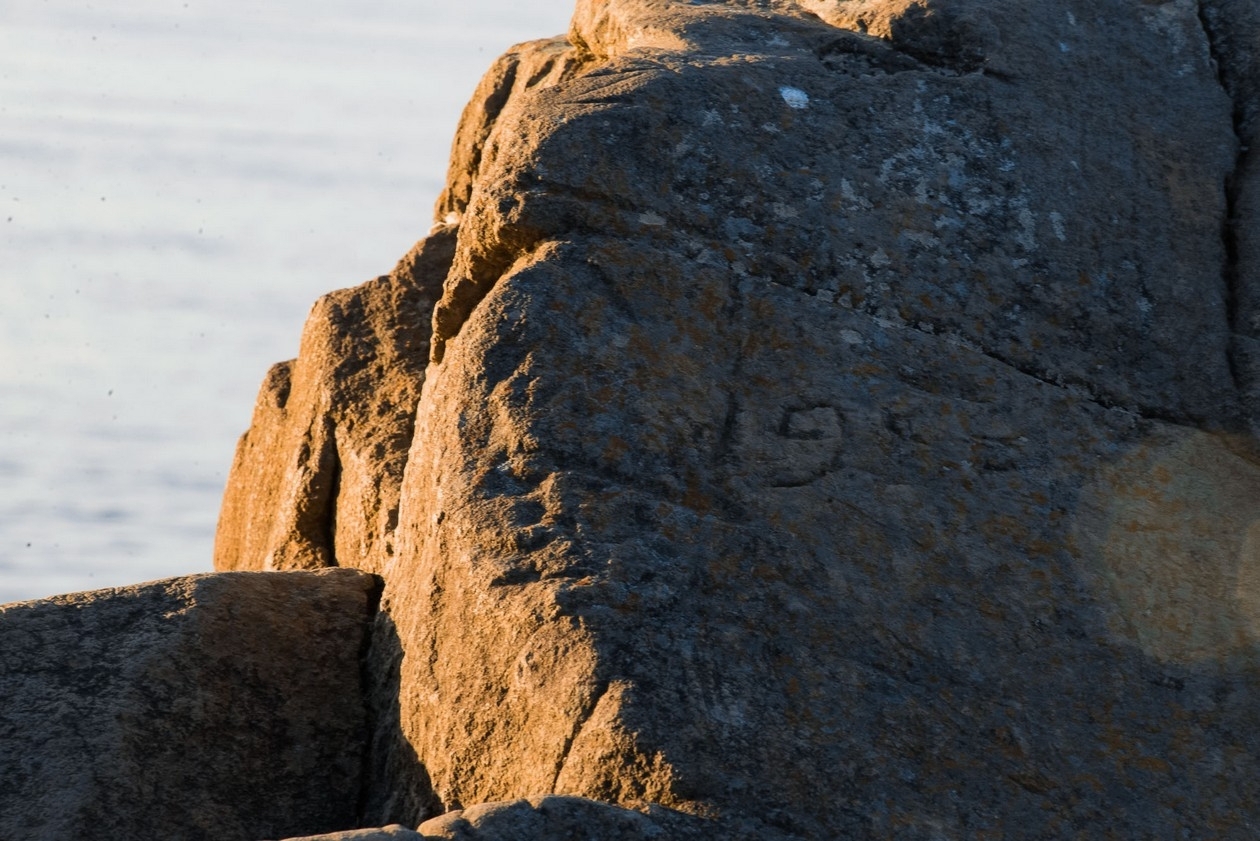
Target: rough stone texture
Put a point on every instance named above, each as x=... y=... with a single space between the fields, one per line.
x=545 y=817
x=568 y=818
x=316 y=477
x=394 y=832
x=839 y=426
x=217 y=707
x=1235 y=29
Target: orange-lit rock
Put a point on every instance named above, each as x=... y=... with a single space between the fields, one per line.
x=315 y=480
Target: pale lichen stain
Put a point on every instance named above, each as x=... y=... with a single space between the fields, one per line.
x=794 y=97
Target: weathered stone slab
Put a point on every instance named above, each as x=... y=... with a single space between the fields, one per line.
x=216 y=707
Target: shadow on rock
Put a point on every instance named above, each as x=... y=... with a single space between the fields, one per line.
x=396 y=786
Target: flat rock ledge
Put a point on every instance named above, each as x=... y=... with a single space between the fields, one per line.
x=540 y=817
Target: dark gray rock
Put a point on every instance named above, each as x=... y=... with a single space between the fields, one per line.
x=213 y=707
x=1234 y=27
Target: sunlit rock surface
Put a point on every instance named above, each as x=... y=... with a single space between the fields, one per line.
x=331 y=429
x=838 y=424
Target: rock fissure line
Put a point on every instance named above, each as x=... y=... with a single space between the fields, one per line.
x=579 y=723
x=368 y=675
x=330 y=508
x=1078 y=388
x=1069 y=384
x=1230 y=272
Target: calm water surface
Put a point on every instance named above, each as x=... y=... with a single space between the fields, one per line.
x=178 y=183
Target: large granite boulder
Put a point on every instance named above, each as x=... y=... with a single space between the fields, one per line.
x=207 y=708
x=839 y=424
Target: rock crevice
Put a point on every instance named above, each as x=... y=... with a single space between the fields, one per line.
x=1232 y=32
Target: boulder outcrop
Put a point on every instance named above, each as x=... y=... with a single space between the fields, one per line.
x=211 y=707
x=316 y=478
x=838 y=423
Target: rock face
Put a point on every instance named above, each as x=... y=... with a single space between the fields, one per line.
x=211 y=707
x=316 y=478
x=839 y=424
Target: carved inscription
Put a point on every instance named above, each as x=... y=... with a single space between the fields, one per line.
x=791 y=447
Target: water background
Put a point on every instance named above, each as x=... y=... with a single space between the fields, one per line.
x=178 y=182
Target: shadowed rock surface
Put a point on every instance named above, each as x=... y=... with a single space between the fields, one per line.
x=838 y=424
x=211 y=707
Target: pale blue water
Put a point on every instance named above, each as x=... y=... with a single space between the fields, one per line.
x=178 y=183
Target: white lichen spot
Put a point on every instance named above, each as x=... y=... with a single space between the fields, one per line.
x=1144 y=306
x=777 y=41
x=1071 y=18
x=794 y=97
x=1056 y=222
x=650 y=218
x=879 y=259
x=851 y=337
x=711 y=118
x=1064 y=48
x=770 y=128
x=451 y=218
